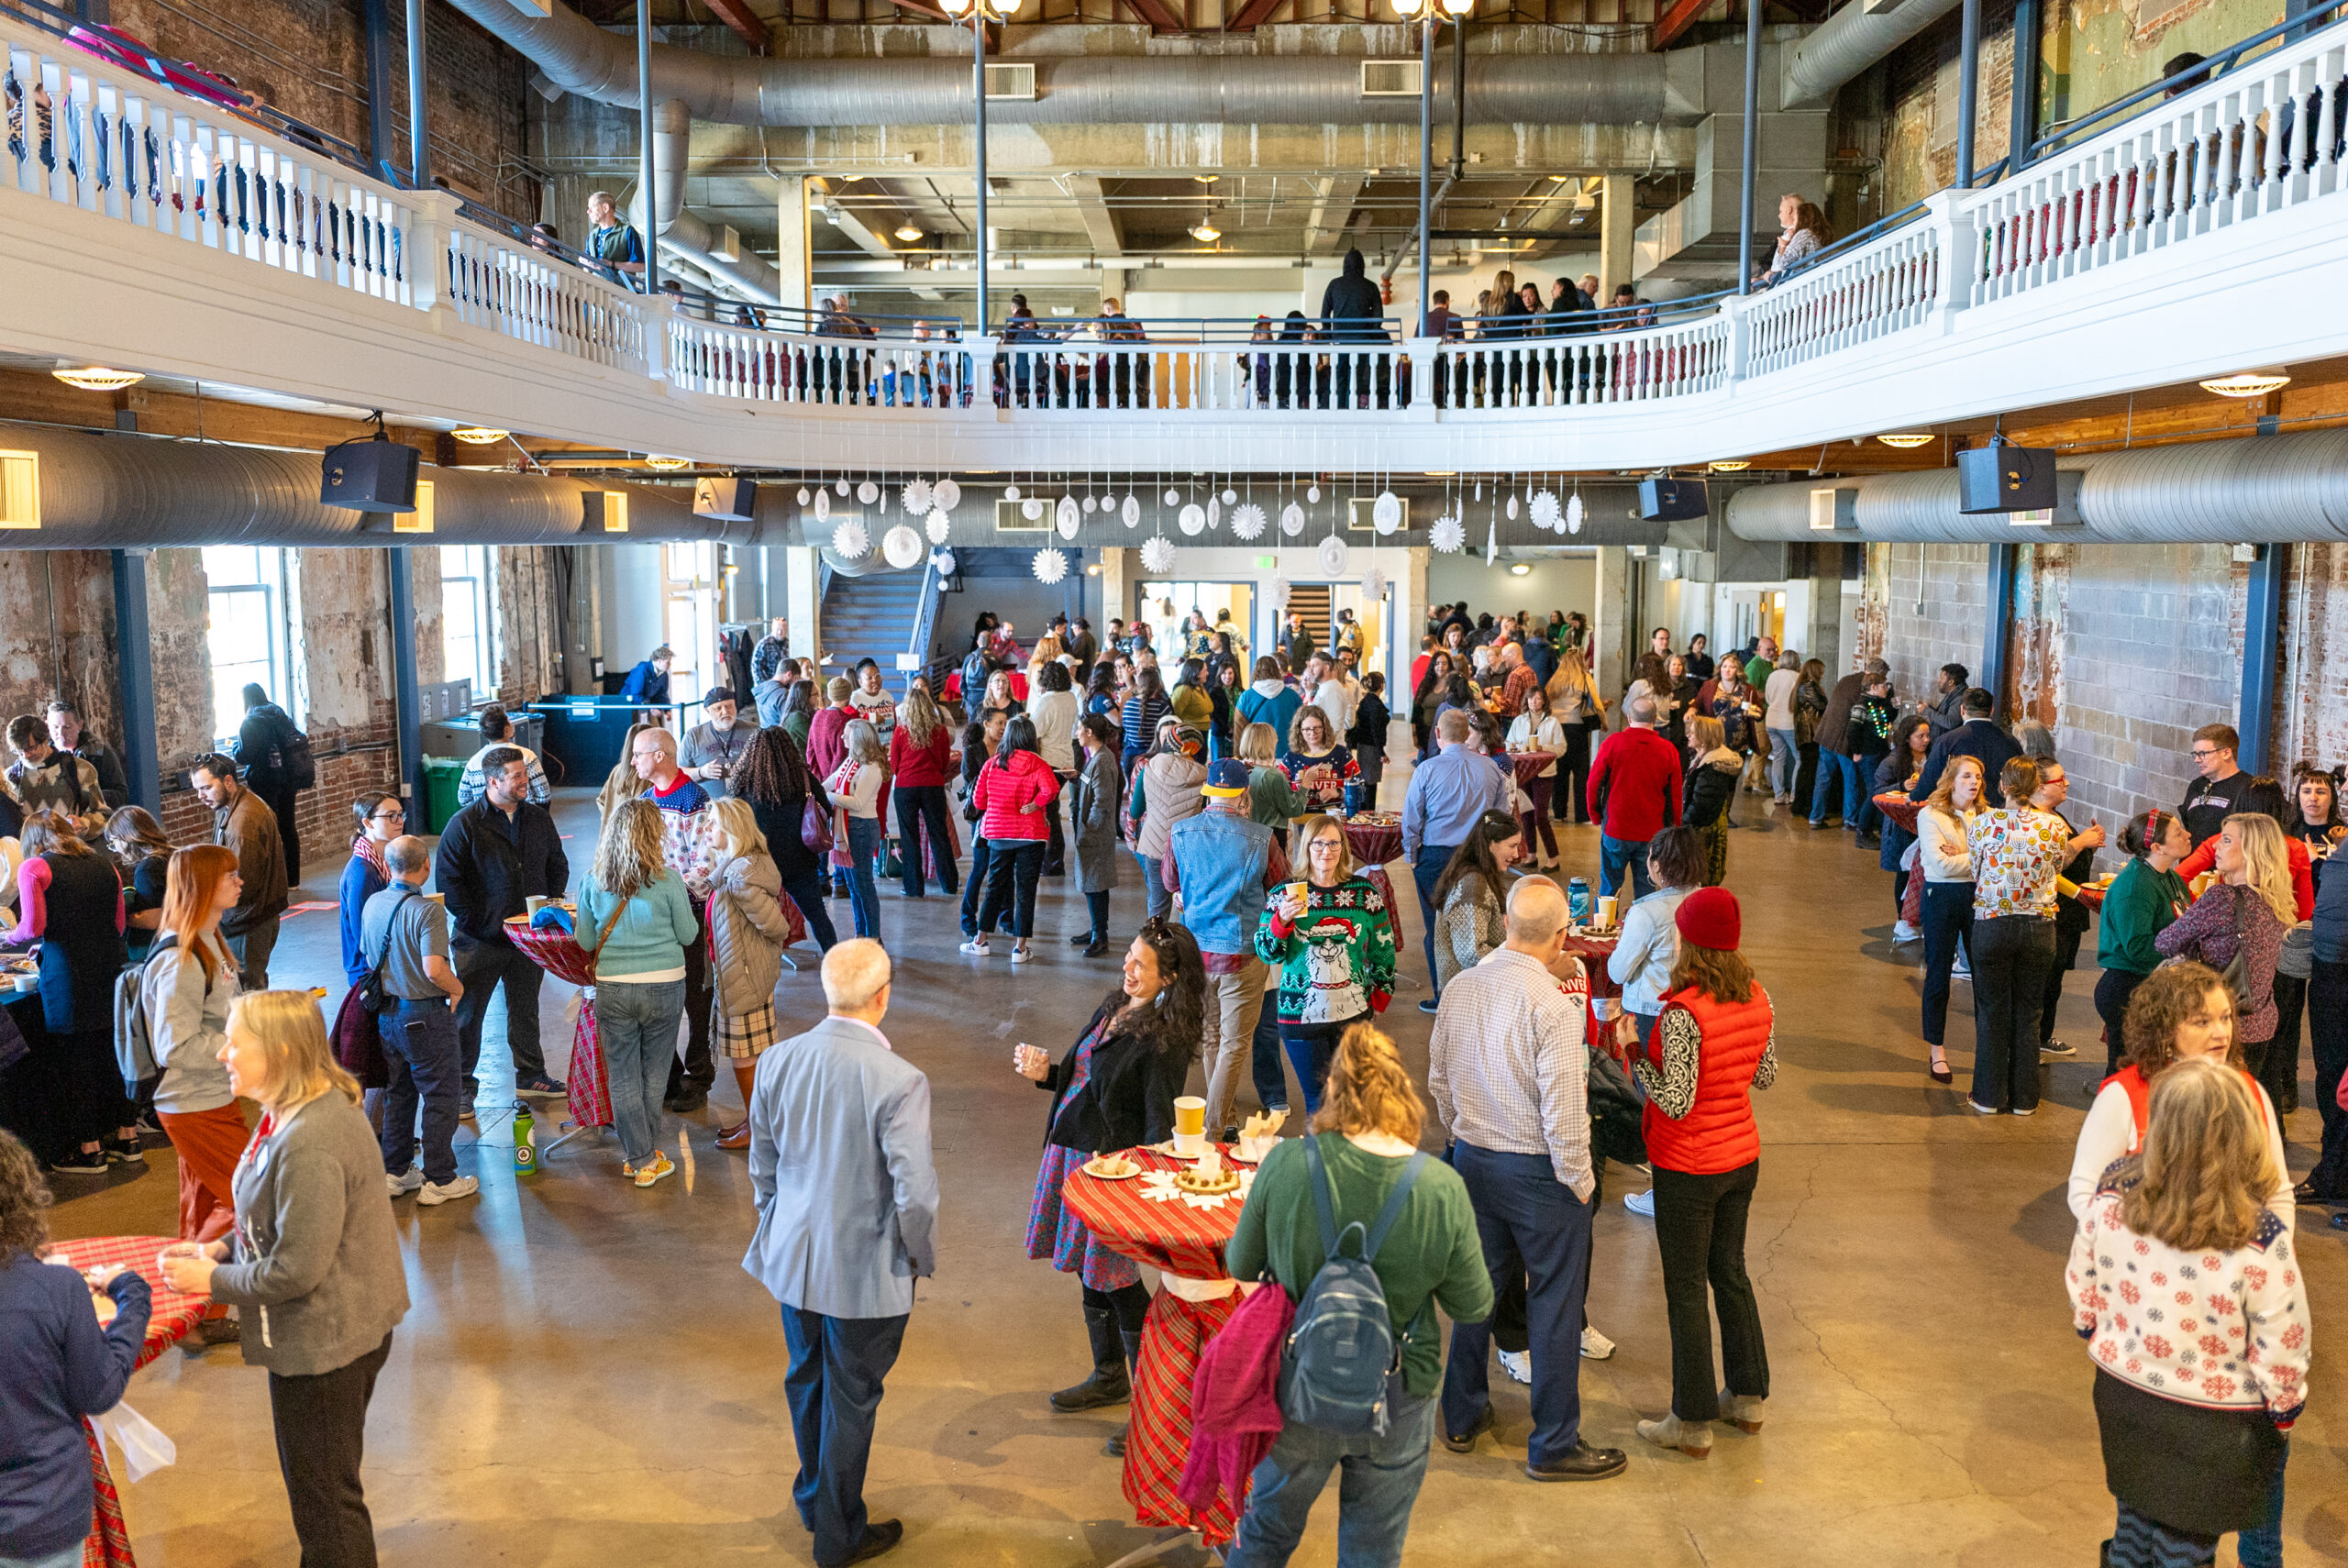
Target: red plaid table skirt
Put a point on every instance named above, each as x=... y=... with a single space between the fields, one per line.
x=1173 y=1238
x=173 y=1315
x=1373 y=845
x=1528 y=766
x=1593 y=952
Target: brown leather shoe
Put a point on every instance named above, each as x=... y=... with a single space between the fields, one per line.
x=735 y=1137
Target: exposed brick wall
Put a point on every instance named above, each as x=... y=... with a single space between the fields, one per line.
x=58 y=635
x=1932 y=606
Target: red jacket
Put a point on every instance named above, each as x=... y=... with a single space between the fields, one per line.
x=2302 y=870
x=1634 y=785
x=826 y=747
x=1718 y=1134
x=911 y=766
x=1005 y=787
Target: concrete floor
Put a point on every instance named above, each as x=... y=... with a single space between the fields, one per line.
x=586 y=1375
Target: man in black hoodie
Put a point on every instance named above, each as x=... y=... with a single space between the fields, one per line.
x=1353 y=310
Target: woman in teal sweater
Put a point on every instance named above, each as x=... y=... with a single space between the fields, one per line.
x=2142 y=901
x=634 y=917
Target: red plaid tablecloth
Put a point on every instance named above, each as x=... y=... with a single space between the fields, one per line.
x=1902 y=810
x=586 y=1081
x=1528 y=765
x=1173 y=1238
x=1374 y=841
x=173 y=1315
x=1593 y=952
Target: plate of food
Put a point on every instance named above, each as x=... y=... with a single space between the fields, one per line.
x=1110 y=1167
x=1209 y=1177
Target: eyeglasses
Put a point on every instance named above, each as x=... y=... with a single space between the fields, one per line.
x=393 y=815
x=2203 y=755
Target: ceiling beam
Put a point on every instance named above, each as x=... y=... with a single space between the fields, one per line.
x=1333 y=209
x=1092 y=205
x=1678 y=20
x=743 y=20
x=920 y=9
x=1254 y=14
x=1160 y=17
x=850 y=226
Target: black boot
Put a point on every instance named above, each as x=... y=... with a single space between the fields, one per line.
x=1108 y=1383
x=1115 y=1447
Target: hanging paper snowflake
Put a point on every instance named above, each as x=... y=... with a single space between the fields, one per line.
x=1386 y=512
x=1447 y=535
x=842 y=486
x=1230 y=496
x=1131 y=511
x=1573 y=513
x=944 y=561
x=916 y=497
x=1091 y=505
x=1333 y=556
x=1173 y=498
x=1492 y=543
x=939 y=526
x=868 y=493
x=1031 y=509
x=1247 y=522
x=1545 y=509
x=1512 y=508
x=1215 y=513
x=1373 y=585
x=1049 y=566
x=900 y=547
x=946 y=496
x=1313 y=495
x=1193 y=519
x=805 y=495
x=1291 y=519
x=1069 y=517
x=849 y=541
x=1158 y=554
x=1279 y=592
x=1011 y=493
x=823 y=504
x=1479 y=489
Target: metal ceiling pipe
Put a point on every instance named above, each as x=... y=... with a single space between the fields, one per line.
x=687 y=235
x=1844 y=45
x=579 y=57
x=127 y=492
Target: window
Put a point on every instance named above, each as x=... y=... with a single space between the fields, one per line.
x=249 y=631
x=467 y=617
x=689 y=619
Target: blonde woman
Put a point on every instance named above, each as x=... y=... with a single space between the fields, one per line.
x=2244 y=913
x=313 y=1264
x=856 y=787
x=1272 y=801
x=1944 y=855
x=635 y=916
x=747 y=932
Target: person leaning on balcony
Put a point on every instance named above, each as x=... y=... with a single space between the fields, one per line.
x=1805 y=234
x=614 y=245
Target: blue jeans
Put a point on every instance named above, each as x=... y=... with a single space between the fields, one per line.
x=1264 y=1059
x=637 y=1025
x=1529 y=1222
x=2262 y=1547
x=1832 y=766
x=69 y=1557
x=420 y=1056
x=864 y=897
x=834 y=1387
x=1617 y=855
x=1427 y=870
x=1152 y=882
x=1784 y=758
x=1374 y=1495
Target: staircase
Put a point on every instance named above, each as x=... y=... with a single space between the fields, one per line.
x=1311 y=600
x=871 y=617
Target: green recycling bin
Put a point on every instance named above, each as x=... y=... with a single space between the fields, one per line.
x=440 y=776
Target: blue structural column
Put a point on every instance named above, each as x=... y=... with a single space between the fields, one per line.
x=2022 y=120
x=140 y=760
x=404 y=686
x=2261 y=653
x=1998 y=625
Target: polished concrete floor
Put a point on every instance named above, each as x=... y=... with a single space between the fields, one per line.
x=587 y=1376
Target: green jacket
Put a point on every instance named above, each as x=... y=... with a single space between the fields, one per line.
x=1337 y=962
x=1272 y=799
x=2139 y=905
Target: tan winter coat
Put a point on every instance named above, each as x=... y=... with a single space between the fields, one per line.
x=747 y=928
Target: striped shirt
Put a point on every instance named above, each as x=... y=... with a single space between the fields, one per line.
x=1507 y=1068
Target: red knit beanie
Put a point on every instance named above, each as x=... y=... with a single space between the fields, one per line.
x=1709 y=918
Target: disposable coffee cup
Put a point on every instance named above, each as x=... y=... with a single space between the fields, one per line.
x=1606 y=909
x=534 y=903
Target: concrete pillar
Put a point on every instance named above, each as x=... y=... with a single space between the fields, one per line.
x=1609 y=629
x=802 y=574
x=1617 y=222
x=1118 y=566
x=793 y=264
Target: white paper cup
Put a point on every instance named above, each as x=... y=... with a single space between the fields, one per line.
x=1189 y=1145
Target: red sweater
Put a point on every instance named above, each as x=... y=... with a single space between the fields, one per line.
x=911 y=764
x=1635 y=784
x=1005 y=787
x=2302 y=870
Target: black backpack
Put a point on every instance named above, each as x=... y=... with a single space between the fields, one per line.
x=372 y=998
x=296 y=766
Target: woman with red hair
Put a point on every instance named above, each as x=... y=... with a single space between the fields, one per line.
x=189 y=982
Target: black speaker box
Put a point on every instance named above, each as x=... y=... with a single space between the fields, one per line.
x=1671 y=500
x=725 y=500
x=369 y=476
x=2005 y=478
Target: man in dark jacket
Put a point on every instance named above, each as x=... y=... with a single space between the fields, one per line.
x=772 y=649
x=1946 y=710
x=648 y=685
x=264 y=745
x=1835 y=755
x=65 y=729
x=1353 y=311
x=1978 y=737
x=494 y=856
x=1298 y=644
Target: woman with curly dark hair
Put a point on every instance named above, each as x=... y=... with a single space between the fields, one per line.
x=774 y=778
x=1114 y=1090
x=57 y=1366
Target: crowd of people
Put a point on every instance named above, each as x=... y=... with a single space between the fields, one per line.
x=1265 y=959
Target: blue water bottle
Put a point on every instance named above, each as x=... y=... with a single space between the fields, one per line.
x=1577 y=900
x=1353 y=798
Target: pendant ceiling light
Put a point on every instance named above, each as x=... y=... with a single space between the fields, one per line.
x=97 y=378
x=670 y=464
x=478 y=434
x=1903 y=439
x=2247 y=384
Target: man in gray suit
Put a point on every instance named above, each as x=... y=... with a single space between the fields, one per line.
x=848 y=1220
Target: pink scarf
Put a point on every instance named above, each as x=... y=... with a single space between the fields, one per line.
x=367 y=849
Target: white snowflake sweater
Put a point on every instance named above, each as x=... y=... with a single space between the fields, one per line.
x=2220 y=1330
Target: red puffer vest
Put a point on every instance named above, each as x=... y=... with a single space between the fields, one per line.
x=1718 y=1132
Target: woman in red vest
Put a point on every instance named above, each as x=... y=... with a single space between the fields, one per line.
x=1713 y=1041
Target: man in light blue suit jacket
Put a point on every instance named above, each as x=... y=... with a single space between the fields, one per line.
x=848 y=1220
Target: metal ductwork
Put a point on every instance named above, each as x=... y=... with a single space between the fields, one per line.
x=2256 y=489
x=1852 y=40
x=129 y=491
x=579 y=57
x=686 y=234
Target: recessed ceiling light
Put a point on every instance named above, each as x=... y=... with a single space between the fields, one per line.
x=908 y=233
x=1732 y=465
x=2247 y=384
x=1906 y=438
x=668 y=465
x=97 y=378
x=477 y=436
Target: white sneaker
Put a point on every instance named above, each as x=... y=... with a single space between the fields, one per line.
x=1961 y=971
x=1595 y=1346
x=1021 y=953
x=974 y=947
x=1518 y=1364
x=407 y=1181
x=1640 y=1203
x=441 y=1192
x=1903 y=932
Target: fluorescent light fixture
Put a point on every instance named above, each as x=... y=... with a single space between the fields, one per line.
x=97 y=378
x=2241 y=383
x=1906 y=438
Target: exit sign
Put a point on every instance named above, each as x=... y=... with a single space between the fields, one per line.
x=1266 y=563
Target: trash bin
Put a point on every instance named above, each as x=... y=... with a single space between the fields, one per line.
x=440 y=776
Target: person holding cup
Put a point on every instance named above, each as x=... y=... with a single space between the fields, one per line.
x=1114 y=1090
x=1331 y=940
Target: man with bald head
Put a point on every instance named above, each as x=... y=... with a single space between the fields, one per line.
x=1634 y=794
x=403 y=936
x=1508 y=1073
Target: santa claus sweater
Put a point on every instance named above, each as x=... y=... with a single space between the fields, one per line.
x=1337 y=962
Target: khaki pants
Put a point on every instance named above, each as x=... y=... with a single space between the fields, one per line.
x=1230 y=1028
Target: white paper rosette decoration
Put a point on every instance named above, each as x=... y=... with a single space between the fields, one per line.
x=939 y=526
x=1573 y=513
x=1173 y=498
x=946 y=496
x=1333 y=556
x=1230 y=496
x=868 y=493
x=1544 y=511
x=1313 y=495
x=1011 y=493
x=823 y=504
x=1291 y=519
x=1158 y=554
x=1215 y=513
x=1247 y=522
x=1447 y=536
x=1131 y=511
x=1031 y=509
x=842 y=486
x=916 y=497
x=1373 y=585
x=1049 y=566
x=1193 y=519
x=1279 y=592
x=1091 y=505
x=1386 y=512
x=901 y=547
x=944 y=561
x=1069 y=517
x=849 y=541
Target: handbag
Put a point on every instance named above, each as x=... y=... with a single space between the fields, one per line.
x=609 y=920
x=816 y=827
x=2298 y=957
x=2235 y=971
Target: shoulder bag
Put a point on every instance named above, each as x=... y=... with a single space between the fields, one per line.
x=609 y=921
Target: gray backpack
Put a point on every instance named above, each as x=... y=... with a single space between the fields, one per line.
x=134 y=1034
